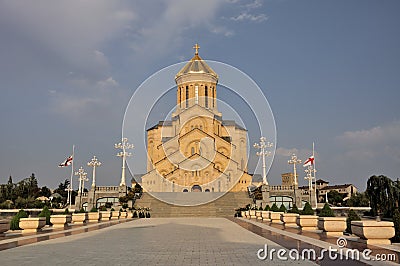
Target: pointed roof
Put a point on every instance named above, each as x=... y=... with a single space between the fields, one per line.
x=196 y=65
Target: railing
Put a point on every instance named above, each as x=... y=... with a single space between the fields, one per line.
x=281 y=188
x=107 y=189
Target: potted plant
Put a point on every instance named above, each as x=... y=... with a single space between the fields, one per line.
x=45 y=213
x=265 y=214
x=114 y=214
x=79 y=217
x=104 y=214
x=289 y=219
x=331 y=225
x=275 y=214
x=307 y=221
x=94 y=215
x=61 y=220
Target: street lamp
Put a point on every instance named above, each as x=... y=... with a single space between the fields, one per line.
x=294 y=161
x=94 y=163
x=262 y=146
x=310 y=171
x=82 y=178
x=124 y=145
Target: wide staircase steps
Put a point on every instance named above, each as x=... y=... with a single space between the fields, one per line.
x=224 y=206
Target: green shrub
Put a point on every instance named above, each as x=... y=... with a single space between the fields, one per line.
x=147 y=214
x=282 y=208
x=326 y=211
x=14 y=225
x=103 y=208
x=260 y=209
x=66 y=211
x=94 y=209
x=135 y=214
x=82 y=210
x=45 y=213
x=112 y=209
x=294 y=209
x=307 y=210
x=351 y=217
x=267 y=208
x=396 y=221
x=274 y=208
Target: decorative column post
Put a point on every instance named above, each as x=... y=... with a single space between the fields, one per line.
x=262 y=146
x=310 y=171
x=293 y=160
x=94 y=163
x=124 y=145
x=82 y=178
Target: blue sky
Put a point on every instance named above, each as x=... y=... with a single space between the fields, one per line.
x=330 y=71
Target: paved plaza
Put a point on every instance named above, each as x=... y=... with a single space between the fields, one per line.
x=155 y=241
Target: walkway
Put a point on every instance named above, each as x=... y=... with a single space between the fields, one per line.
x=155 y=241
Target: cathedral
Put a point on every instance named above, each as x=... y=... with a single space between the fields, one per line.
x=196 y=151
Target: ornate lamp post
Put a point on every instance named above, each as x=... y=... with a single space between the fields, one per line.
x=82 y=178
x=94 y=163
x=124 y=145
x=294 y=161
x=262 y=146
x=310 y=171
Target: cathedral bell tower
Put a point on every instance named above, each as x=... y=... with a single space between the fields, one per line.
x=196 y=85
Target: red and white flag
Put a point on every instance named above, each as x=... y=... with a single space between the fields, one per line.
x=309 y=161
x=67 y=162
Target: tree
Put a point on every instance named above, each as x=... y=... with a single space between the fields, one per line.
x=274 y=208
x=335 y=197
x=294 y=209
x=45 y=191
x=383 y=195
x=307 y=210
x=282 y=208
x=358 y=200
x=326 y=211
x=352 y=216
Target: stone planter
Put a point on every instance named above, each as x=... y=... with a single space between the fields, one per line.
x=373 y=232
x=105 y=215
x=123 y=215
x=243 y=214
x=247 y=214
x=332 y=226
x=94 y=217
x=265 y=216
x=130 y=215
x=115 y=215
x=289 y=219
x=259 y=215
x=60 y=221
x=252 y=214
x=307 y=222
x=4 y=226
x=79 y=218
x=275 y=217
x=30 y=225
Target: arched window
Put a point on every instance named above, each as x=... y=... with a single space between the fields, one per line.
x=187 y=96
x=206 y=96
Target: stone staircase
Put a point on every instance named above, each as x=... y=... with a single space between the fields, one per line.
x=224 y=206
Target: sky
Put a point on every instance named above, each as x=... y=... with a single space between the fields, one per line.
x=329 y=69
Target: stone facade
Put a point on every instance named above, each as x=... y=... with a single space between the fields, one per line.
x=196 y=150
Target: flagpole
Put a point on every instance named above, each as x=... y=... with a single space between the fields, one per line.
x=72 y=172
x=315 y=178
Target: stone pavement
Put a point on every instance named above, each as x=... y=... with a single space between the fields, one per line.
x=155 y=241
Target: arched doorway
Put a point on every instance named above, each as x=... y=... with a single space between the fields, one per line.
x=196 y=188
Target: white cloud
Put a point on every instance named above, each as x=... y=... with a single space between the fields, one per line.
x=380 y=141
x=250 y=17
x=255 y=4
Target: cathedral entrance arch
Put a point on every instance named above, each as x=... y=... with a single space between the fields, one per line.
x=196 y=188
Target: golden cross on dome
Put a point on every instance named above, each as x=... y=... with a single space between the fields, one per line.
x=196 y=47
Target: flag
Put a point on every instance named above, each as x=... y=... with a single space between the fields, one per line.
x=309 y=161
x=67 y=162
